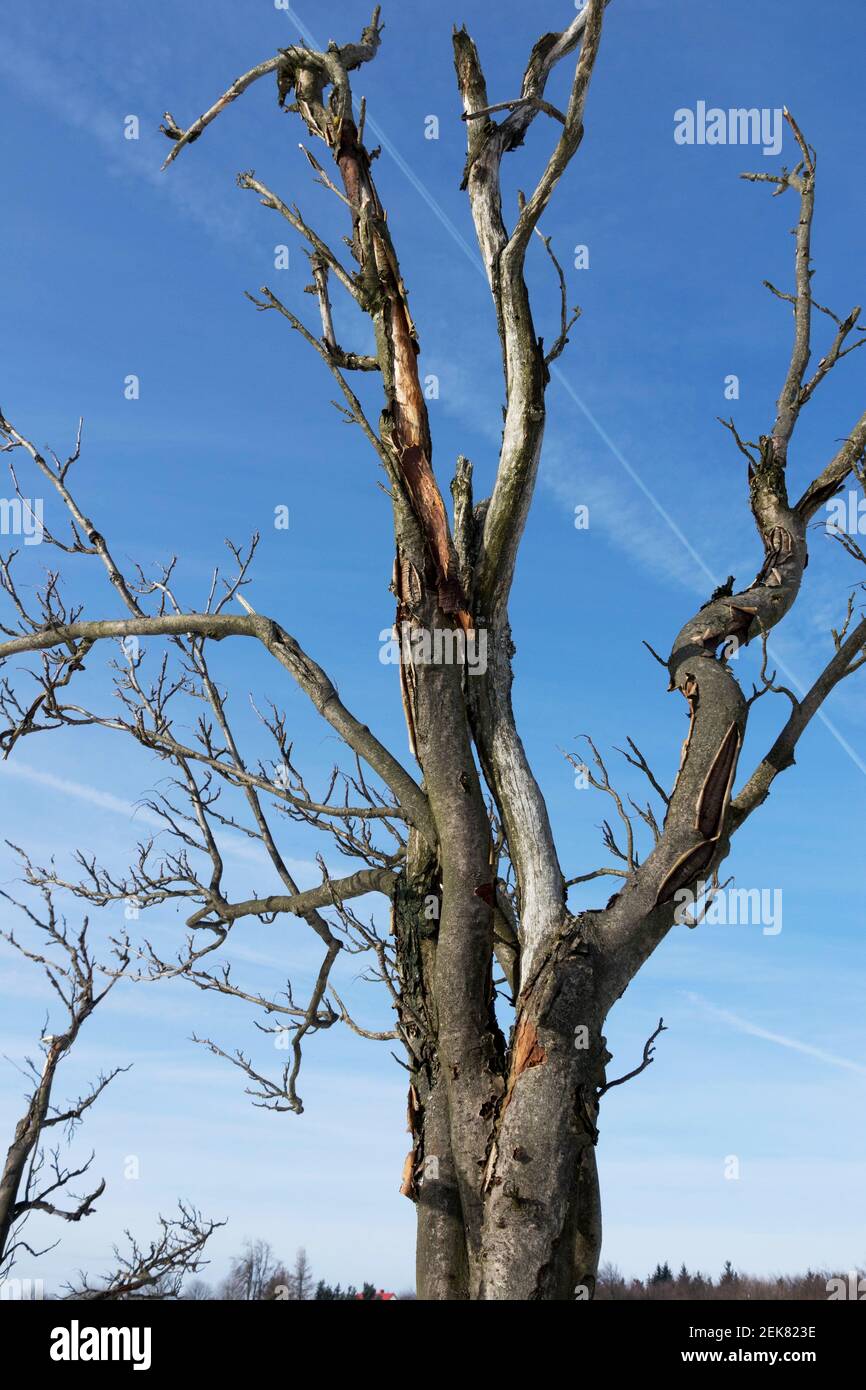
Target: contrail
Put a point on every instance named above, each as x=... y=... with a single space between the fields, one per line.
x=744 y=1026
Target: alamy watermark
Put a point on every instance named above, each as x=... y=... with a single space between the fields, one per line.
x=740 y=125
x=853 y=1288
x=22 y=516
x=730 y=907
x=21 y=1290
x=445 y=646
x=77 y=1343
x=846 y=513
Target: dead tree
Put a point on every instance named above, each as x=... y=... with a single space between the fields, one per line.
x=33 y=1180
x=502 y=1165
x=253 y=1275
x=36 y=1181
x=155 y=1271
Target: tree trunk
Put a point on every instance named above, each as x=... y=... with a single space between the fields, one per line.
x=20 y=1151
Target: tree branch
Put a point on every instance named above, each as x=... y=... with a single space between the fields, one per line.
x=648 y=1059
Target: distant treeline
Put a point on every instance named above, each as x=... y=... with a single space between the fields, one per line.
x=664 y=1284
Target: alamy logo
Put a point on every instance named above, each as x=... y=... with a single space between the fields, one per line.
x=854 y=1287
x=77 y=1343
x=724 y=907
x=17 y=1290
x=21 y=516
x=737 y=126
x=846 y=514
x=419 y=646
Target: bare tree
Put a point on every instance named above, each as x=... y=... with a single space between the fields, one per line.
x=502 y=1164
x=33 y=1180
x=252 y=1274
x=257 y=1276
x=300 y=1284
x=154 y=1271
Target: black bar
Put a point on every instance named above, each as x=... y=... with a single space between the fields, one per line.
x=206 y=1338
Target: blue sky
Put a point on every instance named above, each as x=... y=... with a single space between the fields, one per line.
x=113 y=268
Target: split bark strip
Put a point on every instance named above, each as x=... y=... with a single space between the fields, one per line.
x=716 y=790
x=528 y=1052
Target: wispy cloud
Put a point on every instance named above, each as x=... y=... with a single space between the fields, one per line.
x=743 y=1025
x=81 y=791
x=232 y=845
x=199 y=198
x=618 y=514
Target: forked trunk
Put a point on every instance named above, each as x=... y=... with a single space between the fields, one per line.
x=537 y=1187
